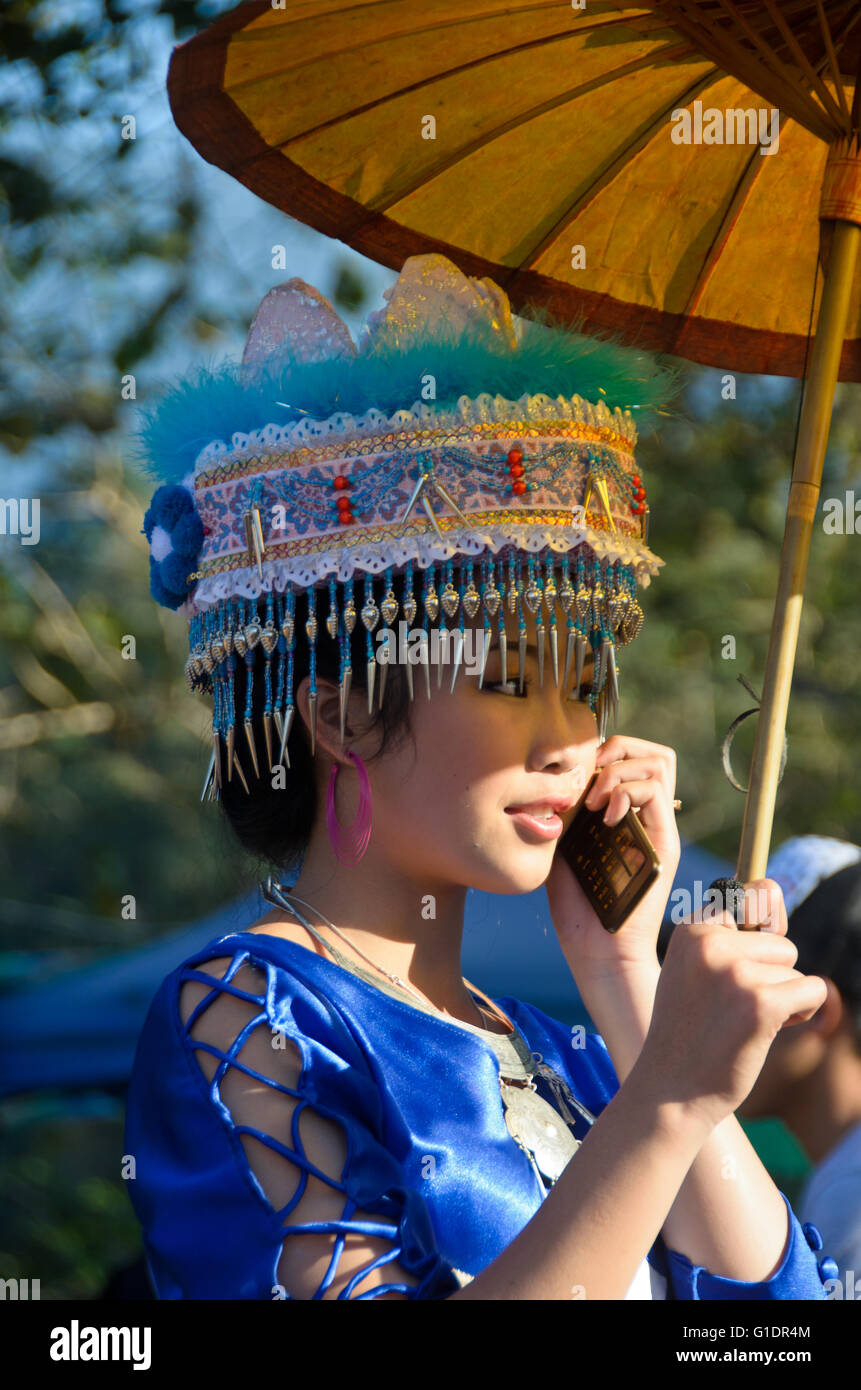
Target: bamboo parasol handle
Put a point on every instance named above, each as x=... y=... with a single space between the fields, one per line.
x=803 y=502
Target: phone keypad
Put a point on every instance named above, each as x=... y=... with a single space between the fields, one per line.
x=605 y=869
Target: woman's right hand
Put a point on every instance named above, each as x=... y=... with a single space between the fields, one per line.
x=722 y=996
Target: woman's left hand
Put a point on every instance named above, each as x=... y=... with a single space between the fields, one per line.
x=640 y=775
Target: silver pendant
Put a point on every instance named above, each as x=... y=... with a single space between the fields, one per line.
x=535 y=1125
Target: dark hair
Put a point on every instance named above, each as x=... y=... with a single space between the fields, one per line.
x=273 y=823
x=826 y=928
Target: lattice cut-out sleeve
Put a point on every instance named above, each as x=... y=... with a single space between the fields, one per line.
x=264 y=1171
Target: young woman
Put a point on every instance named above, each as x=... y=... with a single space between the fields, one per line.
x=321 y=1105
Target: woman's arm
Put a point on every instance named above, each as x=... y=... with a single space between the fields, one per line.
x=604 y=1213
x=728 y=1215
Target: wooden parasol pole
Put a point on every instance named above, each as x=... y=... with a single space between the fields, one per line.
x=841 y=205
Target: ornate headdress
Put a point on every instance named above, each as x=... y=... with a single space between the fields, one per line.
x=456 y=446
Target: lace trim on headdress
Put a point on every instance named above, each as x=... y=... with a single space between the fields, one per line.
x=484 y=409
x=307 y=570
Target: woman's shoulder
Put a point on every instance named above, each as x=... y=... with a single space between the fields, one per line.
x=240 y=1000
x=242 y=979
x=266 y=935
x=276 y=957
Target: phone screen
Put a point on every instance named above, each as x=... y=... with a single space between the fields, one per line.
x=627 y=861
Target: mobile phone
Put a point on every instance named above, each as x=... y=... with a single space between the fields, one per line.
x=615 y=865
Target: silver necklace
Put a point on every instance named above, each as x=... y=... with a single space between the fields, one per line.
x=274 y=891
x=541 y=1131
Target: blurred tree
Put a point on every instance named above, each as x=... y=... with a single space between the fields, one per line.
x=105 y=291
x=718 y=480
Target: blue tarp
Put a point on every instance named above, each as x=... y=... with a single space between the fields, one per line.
x=80 y=1030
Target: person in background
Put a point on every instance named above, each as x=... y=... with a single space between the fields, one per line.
x=811 y=1079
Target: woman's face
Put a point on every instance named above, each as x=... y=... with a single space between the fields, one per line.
x=444 y=801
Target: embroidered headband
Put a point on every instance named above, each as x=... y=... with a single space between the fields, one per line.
x=448 y=448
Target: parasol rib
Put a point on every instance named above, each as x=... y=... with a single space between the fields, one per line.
x=754 y=167
x=455 y=157
x=673 y=51
x=643 y=23
x=767 y=54
x=833 y=64
x=826 y=97
x=609 y=172
x=741 y=63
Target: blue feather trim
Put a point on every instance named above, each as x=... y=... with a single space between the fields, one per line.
x=215 y=402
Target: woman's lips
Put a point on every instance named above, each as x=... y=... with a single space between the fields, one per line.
x=543 y=827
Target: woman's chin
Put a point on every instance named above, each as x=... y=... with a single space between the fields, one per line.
x=522 y=871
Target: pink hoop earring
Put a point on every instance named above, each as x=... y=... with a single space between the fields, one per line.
x=350 y=842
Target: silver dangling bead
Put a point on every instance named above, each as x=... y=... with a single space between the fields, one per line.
x=370 y=617
x=311 y=630
x=550 y=601
x=389 y=611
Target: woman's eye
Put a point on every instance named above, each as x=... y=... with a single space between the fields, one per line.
x=511 y=687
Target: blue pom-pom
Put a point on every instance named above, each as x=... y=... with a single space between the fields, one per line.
x=187 y=536
x=162 y=595
x=169 y=503
x=173 y=570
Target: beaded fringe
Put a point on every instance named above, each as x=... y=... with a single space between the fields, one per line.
x=599 y=606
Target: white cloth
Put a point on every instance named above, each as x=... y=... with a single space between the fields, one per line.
x=801 y=864
x=647 y=1283
x=831 y=1199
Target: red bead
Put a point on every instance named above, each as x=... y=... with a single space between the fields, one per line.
x=515 y=455
x=340 y=481
x=346 y=518
x=640 y=493
x=518 y=487
x=343 y=504
x=639 y=507
x=635 y=479
x=516 y=470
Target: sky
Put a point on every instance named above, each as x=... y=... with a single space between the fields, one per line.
x=66 y=315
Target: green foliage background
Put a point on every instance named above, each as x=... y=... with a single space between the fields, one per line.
x=102 y=758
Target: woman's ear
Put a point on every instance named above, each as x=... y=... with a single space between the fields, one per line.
x=357 y=721
x=830 y=1014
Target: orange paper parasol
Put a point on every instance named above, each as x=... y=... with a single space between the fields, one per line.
x=683 y=173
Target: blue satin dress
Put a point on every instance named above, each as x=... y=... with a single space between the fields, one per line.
x=405 y=1085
